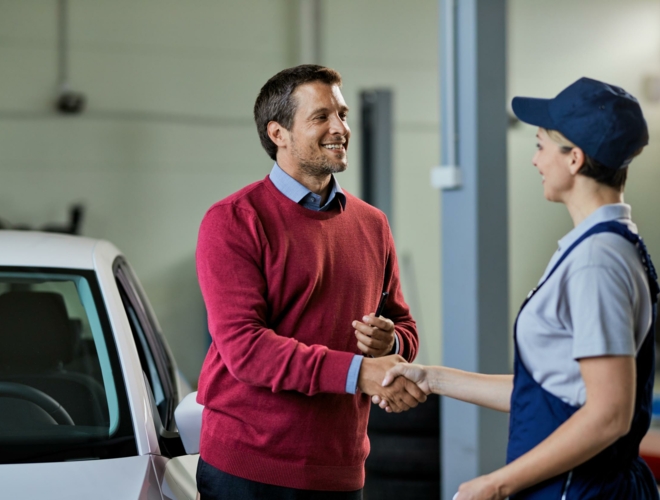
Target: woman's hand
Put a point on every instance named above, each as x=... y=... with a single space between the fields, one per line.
x=481 y=488
x=414 y=373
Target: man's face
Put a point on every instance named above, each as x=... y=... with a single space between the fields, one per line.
x=319 y=135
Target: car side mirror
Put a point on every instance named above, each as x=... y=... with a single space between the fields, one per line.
x=188 y=417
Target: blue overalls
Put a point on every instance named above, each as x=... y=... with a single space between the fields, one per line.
x=617 y=472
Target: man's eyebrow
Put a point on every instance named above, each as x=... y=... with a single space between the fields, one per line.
x=319 y=110
x=343 y=109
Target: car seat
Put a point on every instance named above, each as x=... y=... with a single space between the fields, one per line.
x=37 y=340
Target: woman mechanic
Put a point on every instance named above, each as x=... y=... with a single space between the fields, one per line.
x=580 y=396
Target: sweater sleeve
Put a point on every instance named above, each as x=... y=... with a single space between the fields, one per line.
x=397 y=310
x=229 y=258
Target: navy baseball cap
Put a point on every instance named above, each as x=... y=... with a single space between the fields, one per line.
x=605 y=121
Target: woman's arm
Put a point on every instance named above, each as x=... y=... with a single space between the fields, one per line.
x=604 y=418
x=491 y=391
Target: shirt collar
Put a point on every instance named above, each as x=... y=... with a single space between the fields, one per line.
x=606 y=212
x=297 y=193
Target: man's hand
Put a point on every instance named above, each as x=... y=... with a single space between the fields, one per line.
x=400 y=395
x=375 y=335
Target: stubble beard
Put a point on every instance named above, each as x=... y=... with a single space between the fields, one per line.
x=315 y=164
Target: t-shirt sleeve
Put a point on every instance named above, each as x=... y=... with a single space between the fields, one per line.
x=229 y=260
x=601 y=312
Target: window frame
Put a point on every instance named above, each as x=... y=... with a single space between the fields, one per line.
x=130 y=290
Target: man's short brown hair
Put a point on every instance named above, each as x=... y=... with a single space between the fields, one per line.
x=275 y=102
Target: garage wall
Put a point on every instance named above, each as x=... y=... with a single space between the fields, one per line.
x=169 y=131
x=393 y=44
x=552 y=44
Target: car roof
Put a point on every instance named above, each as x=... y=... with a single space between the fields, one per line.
x=40 y=249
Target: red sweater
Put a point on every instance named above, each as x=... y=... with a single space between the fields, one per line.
x=282 y=285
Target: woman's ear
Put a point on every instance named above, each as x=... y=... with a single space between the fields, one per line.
x=278 y=134
x=576 y=160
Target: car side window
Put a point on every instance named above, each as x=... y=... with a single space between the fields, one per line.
x=154 y=358
x=146 y=357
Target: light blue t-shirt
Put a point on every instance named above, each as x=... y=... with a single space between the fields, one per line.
x=597 y=303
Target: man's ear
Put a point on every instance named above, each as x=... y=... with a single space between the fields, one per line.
x=576 y=157
x=278 y=134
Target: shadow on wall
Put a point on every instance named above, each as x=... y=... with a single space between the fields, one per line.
x=178 y=303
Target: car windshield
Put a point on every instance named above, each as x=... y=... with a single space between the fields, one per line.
x=62 y=395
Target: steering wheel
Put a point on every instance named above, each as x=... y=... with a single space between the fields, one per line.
x=37 y=397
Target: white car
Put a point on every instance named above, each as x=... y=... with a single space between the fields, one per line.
x=88 y=386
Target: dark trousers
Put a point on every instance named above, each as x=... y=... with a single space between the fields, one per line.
x=213 y=484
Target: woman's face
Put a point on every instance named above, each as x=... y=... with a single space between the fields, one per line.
x=553 y=165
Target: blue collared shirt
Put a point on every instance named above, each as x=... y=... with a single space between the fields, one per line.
x=298 y=193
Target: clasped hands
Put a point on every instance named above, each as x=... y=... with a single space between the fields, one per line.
x=391 y=382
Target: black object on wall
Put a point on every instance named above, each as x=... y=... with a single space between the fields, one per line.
x=72 y=226
x=376 y=134
x=404 y=462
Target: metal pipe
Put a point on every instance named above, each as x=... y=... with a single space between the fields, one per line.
x=448 y=82
x=67 y=102
x=62 y=45
x=310 y=21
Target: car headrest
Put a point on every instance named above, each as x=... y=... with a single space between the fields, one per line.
x=35 y=332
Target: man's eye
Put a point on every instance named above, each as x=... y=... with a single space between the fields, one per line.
x=321 y=117
x=343 y=116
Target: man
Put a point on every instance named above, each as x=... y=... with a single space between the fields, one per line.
x=286 y=265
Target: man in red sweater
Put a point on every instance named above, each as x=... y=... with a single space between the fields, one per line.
x=288 y=267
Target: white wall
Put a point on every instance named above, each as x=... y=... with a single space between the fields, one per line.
x=169 y=131
x=394 y=44
x=552 y=44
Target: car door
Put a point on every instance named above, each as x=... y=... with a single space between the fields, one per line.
x=155 y=358
x=159 y=371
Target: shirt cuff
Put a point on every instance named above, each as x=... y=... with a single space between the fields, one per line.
x=396 y=344
x=353 y=372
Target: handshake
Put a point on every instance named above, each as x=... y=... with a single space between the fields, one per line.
x=392 y=383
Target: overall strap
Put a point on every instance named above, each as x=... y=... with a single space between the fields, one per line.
x=536 y=413
x=619 y=228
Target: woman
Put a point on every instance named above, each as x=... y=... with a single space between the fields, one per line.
x=580 y=396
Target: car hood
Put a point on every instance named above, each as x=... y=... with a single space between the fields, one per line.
x=126 y=478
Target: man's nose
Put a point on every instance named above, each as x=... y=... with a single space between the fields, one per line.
x=339 y=126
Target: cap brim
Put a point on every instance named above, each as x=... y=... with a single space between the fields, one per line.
x=533 y=111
